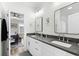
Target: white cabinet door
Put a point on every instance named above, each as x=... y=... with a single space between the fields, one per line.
x=59 y=52
x=34 y=46
x=27 y=42
x=38 y=48
x=48 y=50
x=30 y=45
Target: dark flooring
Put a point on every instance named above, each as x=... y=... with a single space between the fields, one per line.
x=25 y=53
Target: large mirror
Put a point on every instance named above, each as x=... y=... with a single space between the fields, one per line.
x=67 y=19
x=39 y=24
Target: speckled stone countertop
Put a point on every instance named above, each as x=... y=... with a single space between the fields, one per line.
x=74 y=49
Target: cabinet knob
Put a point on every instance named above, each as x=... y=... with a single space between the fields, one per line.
x=36 y=42
x=29 y=43
x=36 y=49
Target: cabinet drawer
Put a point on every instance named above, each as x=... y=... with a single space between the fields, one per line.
x=38 y=48
x=60 y=52
x=36 y=43
x=37 y=51
x=47 y=50
x=53 y=51
x=35 y=47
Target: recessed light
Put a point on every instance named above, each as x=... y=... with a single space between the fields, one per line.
x=69 y=8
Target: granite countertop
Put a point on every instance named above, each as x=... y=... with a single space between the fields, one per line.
x=74 y=49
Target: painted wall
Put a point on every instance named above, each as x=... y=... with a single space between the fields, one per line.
x=60 y=6
x=29 y=18
x=49 y=12
x=24 y=9
x=1 y=15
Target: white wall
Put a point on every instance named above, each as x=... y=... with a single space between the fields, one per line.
x=24 y=9
x=20 y=8
x=48 y=28
x=1 y=15
x=29 y=18
x=49 y=12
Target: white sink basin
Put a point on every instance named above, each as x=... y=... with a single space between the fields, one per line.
x=62 y=44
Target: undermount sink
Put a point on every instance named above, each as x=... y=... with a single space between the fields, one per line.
x=62 y=44
x=34 y=36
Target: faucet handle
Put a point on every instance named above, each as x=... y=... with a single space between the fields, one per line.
x=46 y=36
x=59 y=38
x=67 y=40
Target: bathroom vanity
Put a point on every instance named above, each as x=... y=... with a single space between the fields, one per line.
x=39 y=46
x=65 y=23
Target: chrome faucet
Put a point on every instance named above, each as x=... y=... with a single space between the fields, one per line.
x=63 y=37
x=59 y=37
x=67 y=40
x=46 y=36
x=41 y=35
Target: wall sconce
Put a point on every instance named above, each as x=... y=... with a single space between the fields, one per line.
x=47 y=20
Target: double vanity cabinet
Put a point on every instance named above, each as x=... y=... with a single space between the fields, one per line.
x=39 y=48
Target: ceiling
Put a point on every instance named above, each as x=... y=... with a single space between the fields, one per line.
x=34 y=6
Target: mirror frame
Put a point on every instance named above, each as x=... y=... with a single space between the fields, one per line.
x=41 y=24
x=55 y=20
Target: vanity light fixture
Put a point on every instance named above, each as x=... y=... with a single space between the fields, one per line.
x=57 y=3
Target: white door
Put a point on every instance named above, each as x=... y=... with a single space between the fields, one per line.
x=0 y=37
x=9 y=25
